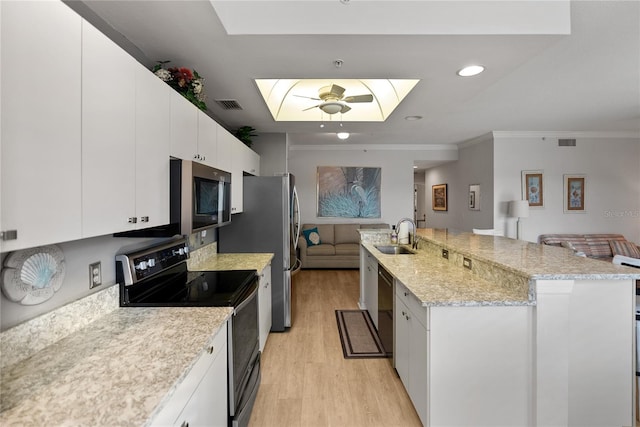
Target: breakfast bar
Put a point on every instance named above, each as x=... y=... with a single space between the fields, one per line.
x=496 y=331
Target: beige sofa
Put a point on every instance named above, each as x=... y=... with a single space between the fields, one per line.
x=339 y=245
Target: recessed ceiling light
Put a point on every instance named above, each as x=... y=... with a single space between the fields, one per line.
x=413 y=118
x=343 y=135
x=471 y=70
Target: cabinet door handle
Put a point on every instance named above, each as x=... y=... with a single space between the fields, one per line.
x=210 y=350
x=144 y=219
x=133 y=220
x=406 y=294
x=184 y=424
x=8 y=235
x=266 y=285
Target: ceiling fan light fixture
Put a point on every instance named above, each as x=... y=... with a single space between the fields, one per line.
x=470 y=71
x=343 y=135
x=332 y=107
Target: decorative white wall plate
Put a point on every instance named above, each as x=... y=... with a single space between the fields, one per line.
x=31 y=276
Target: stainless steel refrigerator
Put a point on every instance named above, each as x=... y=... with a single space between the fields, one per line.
x=269 y=223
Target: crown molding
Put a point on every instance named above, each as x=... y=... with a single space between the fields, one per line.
x=374 y=147
x=566 y=134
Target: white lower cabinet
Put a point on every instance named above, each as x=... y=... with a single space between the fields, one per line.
x=201 y=397
x=264 y=306
x=371 y=286
x=411 y=355
x=464 y=365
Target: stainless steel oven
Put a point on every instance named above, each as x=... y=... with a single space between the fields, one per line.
x=158 y=277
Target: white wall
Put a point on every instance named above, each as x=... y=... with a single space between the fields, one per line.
x=611 y=164
x=397 y=175
x=474 y=166
x=272 y=148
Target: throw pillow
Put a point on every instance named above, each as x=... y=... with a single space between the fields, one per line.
x=624 y=248
x=311 y=236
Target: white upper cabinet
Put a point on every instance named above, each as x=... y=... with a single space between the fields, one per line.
x=40 y=132
x=153 y=135
x=244 y=160
x=207 y=139
x=224 y=158
x=184 y=127
x=108 y=135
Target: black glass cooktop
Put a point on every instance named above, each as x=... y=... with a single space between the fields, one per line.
x=181 y=288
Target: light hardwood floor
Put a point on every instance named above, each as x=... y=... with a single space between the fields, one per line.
x=306 y=381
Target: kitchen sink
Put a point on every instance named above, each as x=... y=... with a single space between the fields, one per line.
x=394 y=250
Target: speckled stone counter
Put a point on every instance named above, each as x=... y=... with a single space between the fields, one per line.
x=532 y=260
x=207 y=258
x=117 y=371
x=437 y=282
x=503 y=270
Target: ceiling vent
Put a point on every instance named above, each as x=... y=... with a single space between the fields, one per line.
x=566 y=142
x=228 y=104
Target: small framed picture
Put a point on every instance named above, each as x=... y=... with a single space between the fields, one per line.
x=533 y=188
x=574 y=193
x=439 y=197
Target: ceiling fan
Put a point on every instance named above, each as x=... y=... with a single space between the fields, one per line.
x=334 y=101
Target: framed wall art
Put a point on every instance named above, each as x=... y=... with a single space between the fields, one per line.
x=439 y=197
x=533 y=188
x=574 y=193
x=348 y=192
x=474 y=197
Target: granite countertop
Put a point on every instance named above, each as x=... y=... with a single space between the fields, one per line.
x=533 y=260
x=251 y=261
x=116 y=371
x=437 y=282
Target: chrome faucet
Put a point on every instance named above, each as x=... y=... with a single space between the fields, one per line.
x=412 y=234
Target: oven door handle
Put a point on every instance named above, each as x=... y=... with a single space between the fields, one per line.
x=247 y=300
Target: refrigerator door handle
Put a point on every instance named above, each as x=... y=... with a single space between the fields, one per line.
x=296 y=218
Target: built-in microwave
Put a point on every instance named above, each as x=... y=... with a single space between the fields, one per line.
x=199 y=198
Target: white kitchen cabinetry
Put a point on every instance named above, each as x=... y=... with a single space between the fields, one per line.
x=153 y=131
x=369 y=284
x=411 y=355
x=184 y=128
x=201 y=397
x=207 y=139
x=40 y=130
x=224 y=159
x=108 y=135
x=264 y=305
x=244 y=160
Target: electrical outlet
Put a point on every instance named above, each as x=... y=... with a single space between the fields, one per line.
x=95 y=274
x=445 y=254
x=466 y=262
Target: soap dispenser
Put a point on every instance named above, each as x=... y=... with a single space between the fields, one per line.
x=394 y=235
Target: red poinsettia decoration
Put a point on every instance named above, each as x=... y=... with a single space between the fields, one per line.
x=187 y=82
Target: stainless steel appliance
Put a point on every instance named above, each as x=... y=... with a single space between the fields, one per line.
x=269 y=223
x=199 y=199
x=158 y=277
x=385 y=310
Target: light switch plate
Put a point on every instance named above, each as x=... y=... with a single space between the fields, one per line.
x=466 y=262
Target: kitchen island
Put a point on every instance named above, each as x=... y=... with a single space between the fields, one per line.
x=527 y=335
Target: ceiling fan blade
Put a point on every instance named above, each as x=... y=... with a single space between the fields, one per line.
x=345 y=108
x=359 y=98
x=311 y=108
x=332 y=91
x=308 y=97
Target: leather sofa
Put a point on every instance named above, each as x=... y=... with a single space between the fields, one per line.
x=338 y=247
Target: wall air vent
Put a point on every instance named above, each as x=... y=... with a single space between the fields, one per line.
x=566 y=142
x=228 y=104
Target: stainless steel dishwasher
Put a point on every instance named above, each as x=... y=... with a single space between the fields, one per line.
x=385 y=310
